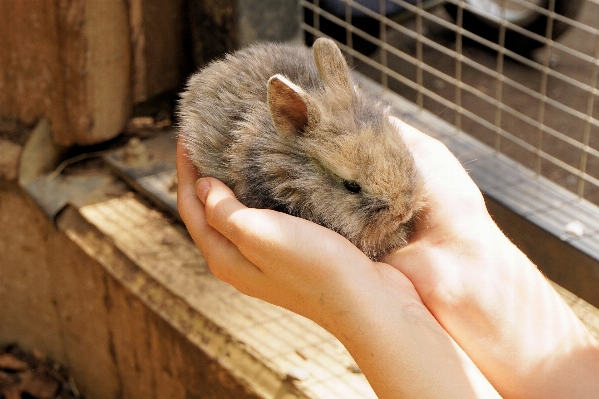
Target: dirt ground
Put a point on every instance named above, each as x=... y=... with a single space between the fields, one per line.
x=31 y=375
x=556 y=89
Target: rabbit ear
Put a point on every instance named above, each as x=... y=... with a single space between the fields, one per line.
x=332 y=66
x=291 y=109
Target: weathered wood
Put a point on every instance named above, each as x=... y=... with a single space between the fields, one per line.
x=57 y=298
x=9 y=159
x=121 y=296
x=84 y=63
x=257 y=342
x=69 y=61
x=158 y=46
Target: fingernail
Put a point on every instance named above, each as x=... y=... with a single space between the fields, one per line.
x=202 y=187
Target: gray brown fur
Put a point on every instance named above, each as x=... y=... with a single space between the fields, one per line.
x=285 y=128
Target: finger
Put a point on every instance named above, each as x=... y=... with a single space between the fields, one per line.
x=189 y=205
x=187 y=175
x=425 y=147
x=186 y=171
x=268 y=238
x=223 y=258
x=454 y=204
x=447 y=184
x=221 y=204
x=411 y=135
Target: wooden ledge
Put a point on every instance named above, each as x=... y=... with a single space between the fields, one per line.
x=120 y=294
x=273 y=352
x=270 y=351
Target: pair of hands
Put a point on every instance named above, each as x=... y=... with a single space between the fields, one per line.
x=459 y=280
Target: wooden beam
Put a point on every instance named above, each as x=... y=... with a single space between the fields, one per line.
x=68 y=60
x=158 y=29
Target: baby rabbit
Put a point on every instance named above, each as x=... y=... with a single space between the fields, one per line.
x=288 y=131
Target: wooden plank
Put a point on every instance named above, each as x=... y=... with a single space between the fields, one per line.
x=106 y=30
x=56 y=298
x=158 y=46
x=121 y=284
x=260 y=343
x=29 y=62
x=69 y=61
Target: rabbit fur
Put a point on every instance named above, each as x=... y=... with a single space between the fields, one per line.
x=285 y=128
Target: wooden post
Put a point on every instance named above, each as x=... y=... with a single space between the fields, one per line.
x=84 y=63
x=69 y=60
x=158 y=29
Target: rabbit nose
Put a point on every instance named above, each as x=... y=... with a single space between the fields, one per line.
x=380 y=207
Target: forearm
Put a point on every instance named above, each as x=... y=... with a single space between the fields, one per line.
x=480 y=290
x=487 y=295
x=515 y=327
x=549 y=350
x=402 y=349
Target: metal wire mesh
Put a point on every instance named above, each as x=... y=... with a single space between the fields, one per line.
x=526 y=87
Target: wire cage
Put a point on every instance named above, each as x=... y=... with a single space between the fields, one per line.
x=520 y=76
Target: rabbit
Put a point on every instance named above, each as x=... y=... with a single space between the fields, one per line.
x=287 y=130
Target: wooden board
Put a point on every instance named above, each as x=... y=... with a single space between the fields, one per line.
x=158 y=46
x=69 y=61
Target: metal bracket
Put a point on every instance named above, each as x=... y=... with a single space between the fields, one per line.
x=149 y=167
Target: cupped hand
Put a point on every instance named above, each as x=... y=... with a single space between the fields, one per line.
x=371 y=307
x=486 y=293
x=458 y=267
x=282 y=259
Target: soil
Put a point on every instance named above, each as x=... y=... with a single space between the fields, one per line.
x=32 y=375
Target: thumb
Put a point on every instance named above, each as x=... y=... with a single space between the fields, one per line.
x=220 y=204
x=268 y=237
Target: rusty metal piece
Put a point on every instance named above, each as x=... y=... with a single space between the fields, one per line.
x=40 y=154
x=148 y=166
x=52 y=195
x=136 y=152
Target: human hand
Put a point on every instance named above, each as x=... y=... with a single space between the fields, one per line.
x=371 y=307
x=490 y=298
x=284 y=260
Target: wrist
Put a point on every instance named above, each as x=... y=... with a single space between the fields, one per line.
x=400 y=347
x=506 y=316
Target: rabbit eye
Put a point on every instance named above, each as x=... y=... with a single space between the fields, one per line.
x=352 y=186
